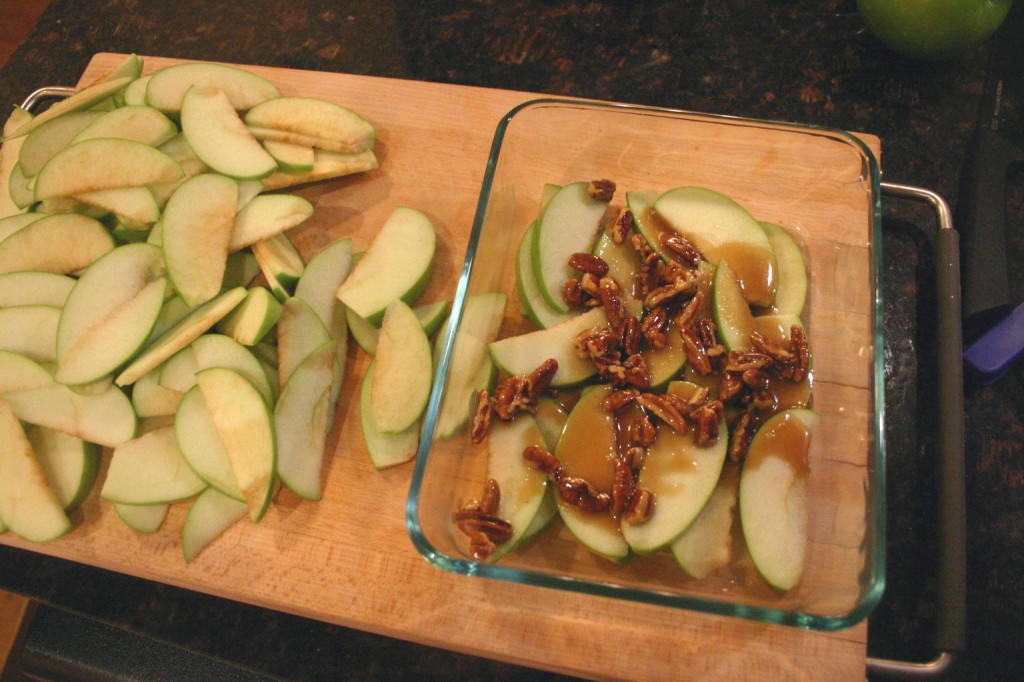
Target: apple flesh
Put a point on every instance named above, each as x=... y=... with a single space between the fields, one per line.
x=404 y=373
x=150 y=470
x=386 y=449
x=312 y=122
x=142 y=518
x=210 y=515
x=83 y=240
x=219 y=138
x=34 y=288
x=85 y=167
x=201 y=446
x=167 y=87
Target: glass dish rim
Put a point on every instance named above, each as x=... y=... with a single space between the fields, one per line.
x=871 y=596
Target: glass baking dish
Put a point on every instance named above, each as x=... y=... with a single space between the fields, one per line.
x=822 y=185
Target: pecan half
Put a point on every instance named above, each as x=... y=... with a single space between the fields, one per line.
x=800 y=348
x=636 y=372
x=641 y=431
x=620 y=228
x=663 y=409
x=681 y=248
x=491 y=497
x=611 y=298
x=485 y=530
x=653 y=327
x=588 y=262
x=631 y=335
x=581 y=494
x=696 y=355
x=616 y=400
x=639 y=508
x=481 y=417
x=705 y=423
x=622 y=487
x=572 y=292
x=601 y=190
x=690 y=313
x=542 y=460
x=667 y=292
x=539 y=379
x=742 y=434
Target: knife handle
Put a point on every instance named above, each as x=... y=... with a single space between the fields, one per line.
x=981 y=221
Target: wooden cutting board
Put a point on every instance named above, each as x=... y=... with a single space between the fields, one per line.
x=348 y=559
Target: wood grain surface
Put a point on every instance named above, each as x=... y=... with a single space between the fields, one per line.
x=348 y=559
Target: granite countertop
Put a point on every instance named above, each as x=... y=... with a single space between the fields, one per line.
x=808 y=62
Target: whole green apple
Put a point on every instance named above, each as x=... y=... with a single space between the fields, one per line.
x=933 y=29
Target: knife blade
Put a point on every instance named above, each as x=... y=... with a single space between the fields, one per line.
x=996 y=151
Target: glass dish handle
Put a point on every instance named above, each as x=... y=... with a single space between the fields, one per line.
x=951 y=614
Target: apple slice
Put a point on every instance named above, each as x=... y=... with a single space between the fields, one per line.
x=104 y=417
x=70 y=464
x=773 y=496
x=303 y=417
x=535 y=306
x=624 y=267
x=181 y=151
x=197 y=224
x=291 y=158
x=706 y=545
x=140 y=123
x=167 y=86
x=268 y=215
x=397 y=265
x=522 y=488
x=201 y=446
x=386 y=449
x=142 y=518
x=326 y=165
x=241 y=268
x=110 y=313
x=150 y=470
x=212 y=350
x=83 y=240
x=401 y=383
x=30 y=330
x=150 y=399
x=10 y=151
x=135 y=93
x=723 y=230
x=280 y=263
x=182 y=333
x=20 y=188
x=320 y=279
x=569 y=225
x=470 y=366
x=34 y=288
x=792 y=288
x=218 y=136
x=81 y=100
x=253 y=318
x=300 y=331
x=135 y=206
x=19 y=373
x=13 y=223
x=246 y=430
x=28 y=505
x=210 y=515
x=311 y=122
x=524 y=353
x=681 y=476
x=430 y=315
x=86 y=167
x=130 y=66
x=586 y=450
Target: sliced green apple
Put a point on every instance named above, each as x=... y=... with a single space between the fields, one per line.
x=246 y=430
x=292 y=158
x=313 y=122
x=150 y=399
x=569 y=225
x=706 y=545
x=197 y=224
x=150 y=470
x=201 y=446
x=34 y=288
x=135 y=93
x=524 y=353
x=28 y=506
x=522 y=488
x=732 y=314
x=135 y=206
x=430 y=315
x=792 y=289
x=13 y=223
x=535 y=306
x=81 y=100
x=210 y=515
x=110 y=313
x=82 y=240
x=723 y=230
x=212 y=350
x=140 y=123
x=268 y=215
x=142 y=518
x=587 y=450
x=300 y=331
x=303 y=417
x=167 y=86
x=30 y=330
x=386 y=449
x=241 y=268
x=326 y=165
x=404 y=373
x=70 y=464
x=681 y=476
x=10 y=151
x=773 y=496
x=19 y=373
x=19 y=187
x=253 y=318
x=218 y=136
x=280 y=263
x=397 y=265
x=85 y=167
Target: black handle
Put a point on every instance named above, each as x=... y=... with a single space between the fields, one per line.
x=981 y=220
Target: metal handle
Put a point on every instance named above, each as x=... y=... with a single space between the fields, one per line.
x=950 y=632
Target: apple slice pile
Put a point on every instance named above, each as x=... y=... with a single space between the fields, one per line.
x=677 y=319
x=152 y=303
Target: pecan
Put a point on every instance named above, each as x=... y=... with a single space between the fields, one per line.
x=601 y=190
x=588 y=262
x=542 y=460
x=639 y=508
x=667 y=292
x=610 y=369
x=707 y=332
x=641 y=431
x=742 y=434
x=572 y=292
x=619 y=228
x=681 y=248
x=634 y=456
x=673 y=272
x=484 y=530
x=742 y=360
x=481 y=417
x=653 y=327
x=800 y=348
x=766 y=347
x=591 y=284
x=539 y=379
x=597 y=342
x=616 y=400
x=622 y=487
x=481 y=546
x=696 y=356
x=688 y=316
x=731 y=388
x=705 y=423
x=663 y=410
x=631 y=335
x=491 y=497
x=581 y=494
x=756 y=379
x=611 y=298
x=764 y=400
x=636 y=372
x=649 y=277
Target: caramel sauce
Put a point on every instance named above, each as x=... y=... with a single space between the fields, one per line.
x=754 y=268
x=587 y=447
x=785 y=437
